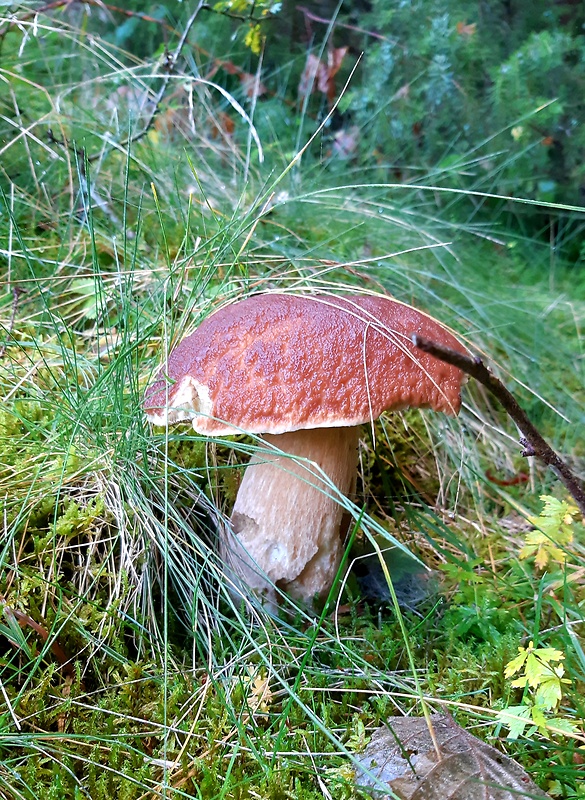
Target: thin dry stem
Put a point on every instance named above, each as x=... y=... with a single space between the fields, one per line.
x=532 y=441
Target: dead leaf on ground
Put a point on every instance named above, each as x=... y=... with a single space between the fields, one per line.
x=320 y=74
x=403 y=93
x=402 y=755
x=346 y=141
x=463 y=29
x=251 y=86
x=309 y=76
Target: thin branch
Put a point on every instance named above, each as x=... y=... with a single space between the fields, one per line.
x=169 y=66
x=532 y=442
x=230 y=15
x=309 y=15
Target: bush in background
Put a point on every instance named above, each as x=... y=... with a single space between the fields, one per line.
x=489 y=92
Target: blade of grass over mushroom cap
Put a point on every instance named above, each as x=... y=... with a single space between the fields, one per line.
x=305 y=371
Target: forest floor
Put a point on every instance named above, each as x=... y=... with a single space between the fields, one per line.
x=127 y=668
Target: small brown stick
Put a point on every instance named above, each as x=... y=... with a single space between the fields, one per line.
x=25 y=621
x=309 y=15
x=532 y=442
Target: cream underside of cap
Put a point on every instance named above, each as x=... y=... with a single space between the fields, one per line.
x=189 y=400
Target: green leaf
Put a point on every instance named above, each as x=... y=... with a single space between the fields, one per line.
x=539 y=718
x=516 y=664
x=516 y=719
x=549 y=693
x=533 y=670
x=562 y=725
x=553 y=532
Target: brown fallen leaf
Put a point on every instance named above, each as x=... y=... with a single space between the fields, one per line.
x=463 y=29
x=346 y=141
x=309 y=76
x=251 y=86
x=320 y=74
x=402 y=756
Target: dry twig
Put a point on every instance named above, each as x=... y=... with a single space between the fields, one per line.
x=532 y=441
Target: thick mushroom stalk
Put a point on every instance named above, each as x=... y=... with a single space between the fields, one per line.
x=287 y=519
x=304 y=372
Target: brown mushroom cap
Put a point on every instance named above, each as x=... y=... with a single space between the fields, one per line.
x=274 y=363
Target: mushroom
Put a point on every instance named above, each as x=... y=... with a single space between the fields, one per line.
x=305 y=372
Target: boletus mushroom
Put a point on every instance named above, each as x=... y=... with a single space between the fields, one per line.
x=305 y=372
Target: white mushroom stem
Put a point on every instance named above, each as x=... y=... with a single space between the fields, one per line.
x=287 y=520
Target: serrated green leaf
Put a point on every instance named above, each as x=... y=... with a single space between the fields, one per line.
x=516 y=664
x=548 y=654
x=549 y=693
x=83 y=286
x=538 y=717
x=562 y=725
x=533 y=670
x=516 y=719
x=553 y=532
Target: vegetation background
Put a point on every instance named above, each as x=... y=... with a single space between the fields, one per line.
x=158 y=158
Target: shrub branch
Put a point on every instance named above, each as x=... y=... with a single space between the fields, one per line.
x=532 y=441
x=167 y=69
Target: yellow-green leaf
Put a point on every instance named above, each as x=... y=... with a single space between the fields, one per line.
x=515 y=718
x=253 y=39
x=549 y=693
x=553 y=532
x=538 y=717
x=534 y=670
x=516 y=664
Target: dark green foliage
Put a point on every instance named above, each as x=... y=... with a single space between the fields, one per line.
x=488 y=96
x=490 y=90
